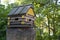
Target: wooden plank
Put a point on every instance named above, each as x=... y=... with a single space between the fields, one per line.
x=16 y=17
x=18 y=20
x=20 y=34
x=20 y=25
x=16 y=23
x=21 y=20
x=28 y=17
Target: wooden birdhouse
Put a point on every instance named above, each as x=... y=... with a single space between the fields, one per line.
x=22 y=16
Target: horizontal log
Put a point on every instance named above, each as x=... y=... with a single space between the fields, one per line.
x=29 y=18
x=18 y=18
x=30 y=15
x=20 y=25
x=26 y=20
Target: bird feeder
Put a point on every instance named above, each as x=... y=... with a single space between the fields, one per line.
x=22 y=16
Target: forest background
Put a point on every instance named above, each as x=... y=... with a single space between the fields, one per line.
x=47 y=23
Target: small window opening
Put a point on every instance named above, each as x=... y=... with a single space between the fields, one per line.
x=29 y=19
x=16 y=18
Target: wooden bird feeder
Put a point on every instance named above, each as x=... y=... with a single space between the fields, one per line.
x=22 y=16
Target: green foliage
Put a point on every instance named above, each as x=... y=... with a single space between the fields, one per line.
x=2 y=23
x=3 y=20
x=48 y=17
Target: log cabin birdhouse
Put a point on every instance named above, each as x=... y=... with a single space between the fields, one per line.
x=22 y=16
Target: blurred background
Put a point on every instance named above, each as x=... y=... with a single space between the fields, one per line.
x=47 y=23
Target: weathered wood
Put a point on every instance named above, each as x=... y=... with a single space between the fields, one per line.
x=20 y=26
x=20 y=34
x=17 y=23
x=21 y=23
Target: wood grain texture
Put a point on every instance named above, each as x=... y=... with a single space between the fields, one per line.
x=20 y=34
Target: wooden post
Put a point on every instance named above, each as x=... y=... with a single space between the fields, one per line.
x=20 y=34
